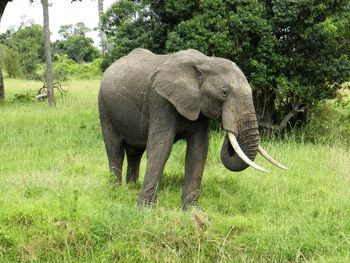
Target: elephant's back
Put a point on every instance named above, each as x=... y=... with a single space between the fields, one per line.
x=127 y=81
x=123 y=93
x=132 y=70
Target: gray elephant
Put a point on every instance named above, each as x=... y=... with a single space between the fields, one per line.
x=148 y=102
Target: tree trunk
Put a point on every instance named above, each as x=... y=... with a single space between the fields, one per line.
x=49 y=77
x=2 y=87
x=264 y=105
x=103 y=36
x=270 y=127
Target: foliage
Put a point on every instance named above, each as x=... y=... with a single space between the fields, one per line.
x=25 y=50
x=22 y=98
x=5 y=37
x=65 y=68
x=75 y=44
x=78 y=29
x=294 y=53
x=77 y=47
x=11 y=63
x=60 y=207
x=329 y=121
x=128 y=26
x=28 y=43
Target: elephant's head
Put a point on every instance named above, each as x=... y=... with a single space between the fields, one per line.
x=217 y=88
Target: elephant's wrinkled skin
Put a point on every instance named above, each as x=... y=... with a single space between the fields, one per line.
x=148 y=102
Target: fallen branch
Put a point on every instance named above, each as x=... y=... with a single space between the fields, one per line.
x=42 y=92
x=41 y=96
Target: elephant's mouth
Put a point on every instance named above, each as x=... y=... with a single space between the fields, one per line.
x=236 y=158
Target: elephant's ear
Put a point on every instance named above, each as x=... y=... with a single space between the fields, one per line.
x=177 y=80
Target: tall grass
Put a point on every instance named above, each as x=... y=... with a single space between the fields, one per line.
x=57 y=203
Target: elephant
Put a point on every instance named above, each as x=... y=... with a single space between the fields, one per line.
x=147 y=102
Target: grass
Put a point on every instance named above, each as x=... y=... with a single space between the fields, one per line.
x=57 y=203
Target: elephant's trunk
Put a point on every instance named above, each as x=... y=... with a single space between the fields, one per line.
x=248 y=140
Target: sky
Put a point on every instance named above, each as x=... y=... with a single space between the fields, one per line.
x=62 y=12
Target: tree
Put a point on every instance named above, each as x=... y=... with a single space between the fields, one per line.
x=28 y=42
x=9 y=59
x=294 y=53
x=25 y=50
x=5 y=37
x=3 y=4
x=2 y=87
x=75 y=44
x=129 y=25
x=80 y=49
x=78 y=29
x=3 y=53
x=49 y=76
x=103 y=37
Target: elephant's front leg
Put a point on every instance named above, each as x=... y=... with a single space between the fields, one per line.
x=196 y=154
x=160 y=140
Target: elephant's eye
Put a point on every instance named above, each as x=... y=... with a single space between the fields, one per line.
x=225 y=91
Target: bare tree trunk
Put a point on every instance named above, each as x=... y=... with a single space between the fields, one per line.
x=3 y=4
x=2 y=87
x=103 y=36
x=280 y=127
x=49 y=77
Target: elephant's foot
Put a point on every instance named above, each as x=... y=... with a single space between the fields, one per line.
x=190 y=200
x=116 y=176
x=114 y=181
x=148 y=200
x=148 y=195
x=146 y=203
x=190 y=206
x=132 y=179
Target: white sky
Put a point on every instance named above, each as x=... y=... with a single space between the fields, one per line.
x=62 y=12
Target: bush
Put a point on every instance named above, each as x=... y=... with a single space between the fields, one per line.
x=65 y=68
x=329 y=122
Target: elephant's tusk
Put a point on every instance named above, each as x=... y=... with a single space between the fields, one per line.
x=270 y=159
x=241 y=154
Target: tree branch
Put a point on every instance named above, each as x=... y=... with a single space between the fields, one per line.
x=280 y=127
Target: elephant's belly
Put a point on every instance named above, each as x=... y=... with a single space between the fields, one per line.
x=132 y=134
x=131 y=124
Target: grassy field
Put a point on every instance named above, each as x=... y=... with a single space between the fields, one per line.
x=57 y=203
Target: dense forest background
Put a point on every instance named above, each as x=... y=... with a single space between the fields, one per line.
x=294 y=53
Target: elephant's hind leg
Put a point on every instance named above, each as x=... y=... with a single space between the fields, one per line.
x=134 y=156
x=115 y=152
x=114 y=147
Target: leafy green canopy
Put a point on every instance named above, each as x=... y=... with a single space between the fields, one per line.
x=294 y=53
x=25 y=50
x=75 y=44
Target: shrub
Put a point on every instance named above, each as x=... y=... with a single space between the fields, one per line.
x=329 y=122
x=65 y=68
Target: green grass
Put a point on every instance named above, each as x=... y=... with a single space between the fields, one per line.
x=57 y=203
